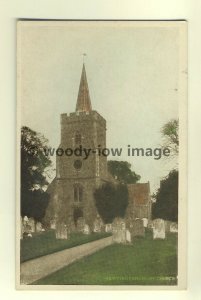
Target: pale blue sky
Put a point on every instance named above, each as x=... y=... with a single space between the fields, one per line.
x=133 y=76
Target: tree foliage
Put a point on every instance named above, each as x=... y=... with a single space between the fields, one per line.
x=170 y=132
x=33 y=174
x=111 y=201
x=166 y=205
x=121 y=170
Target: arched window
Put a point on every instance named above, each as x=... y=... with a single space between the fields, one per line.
x=78 y=193
x=78 y=138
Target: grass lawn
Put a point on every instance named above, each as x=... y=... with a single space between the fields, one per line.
x=45 y=243
x=145 y=262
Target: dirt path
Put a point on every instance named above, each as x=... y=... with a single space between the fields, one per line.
x=35 y=269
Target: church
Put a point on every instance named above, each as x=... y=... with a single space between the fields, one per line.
x=72 y=190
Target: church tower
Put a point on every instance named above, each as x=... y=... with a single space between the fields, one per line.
x=77 y=176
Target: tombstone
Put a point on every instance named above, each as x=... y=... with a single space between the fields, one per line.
x=38 y=227
x=108 y=227
x=150 y=224
x=138 y=228
x=97 y=226
x=80 y=224
x=31 y=223
x=167 y=226
x=71 y=226
x=28 y=225
x=53 y=224
x=128 y=236
x=173 y=227
x=27 y=229
x=61 y=231
x=26 y=219
x=86 y=229
x=158 y=229
x=145 y=222
x=119 y=231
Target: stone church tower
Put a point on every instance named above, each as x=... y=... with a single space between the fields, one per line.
x=71 y=192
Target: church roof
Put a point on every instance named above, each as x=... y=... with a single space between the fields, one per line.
x=83 y=99
x=139 y=193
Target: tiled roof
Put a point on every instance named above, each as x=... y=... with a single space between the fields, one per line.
x=139 y=192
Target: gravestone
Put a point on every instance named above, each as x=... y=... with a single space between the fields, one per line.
x=173 y=227
x=86 y=229
x=150 y=225
x=26 y=219
x=27 y=229
x=31 y=223
x=28 y=225
x=53 y=224
x=98 y=224
x=119 y=231
x=138 y=228
x=108 y=227
x=128 y=236
x=71 y=226
x=61 y=231
x=167 y=226
x=39 y=227
x=158 y=229
x=80 y=224
x=145 y=222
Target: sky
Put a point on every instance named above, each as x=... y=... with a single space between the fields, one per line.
x=133 y=76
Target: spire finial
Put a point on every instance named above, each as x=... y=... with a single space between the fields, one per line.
x=83 y=55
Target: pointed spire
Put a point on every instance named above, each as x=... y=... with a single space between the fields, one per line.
x=83 y=99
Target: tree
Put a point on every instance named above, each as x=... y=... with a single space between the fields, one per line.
x=166 y=205
x=121 y=170
x=111 y=201
x=170 y=132
x=34 y=163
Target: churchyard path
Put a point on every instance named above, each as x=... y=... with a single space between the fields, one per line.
x=38 y=268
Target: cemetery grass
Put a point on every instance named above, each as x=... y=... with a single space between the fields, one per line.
x=46 y=243
x=145 y=262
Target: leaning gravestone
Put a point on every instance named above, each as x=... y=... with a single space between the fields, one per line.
x=138 y=228
x=61 y=231
x=119 y=231
x=173 y=227
x=158 y=226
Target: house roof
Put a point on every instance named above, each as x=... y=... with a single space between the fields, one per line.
x=139 y=193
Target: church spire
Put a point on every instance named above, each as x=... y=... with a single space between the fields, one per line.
x=83 y=99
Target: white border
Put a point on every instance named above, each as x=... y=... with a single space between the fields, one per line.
x=182 y=86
